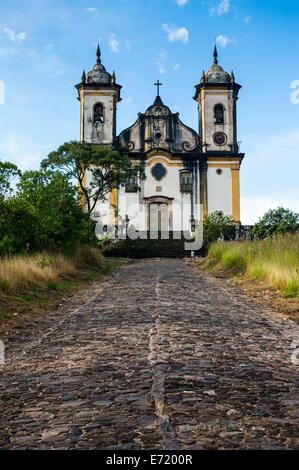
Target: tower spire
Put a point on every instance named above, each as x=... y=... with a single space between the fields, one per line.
x=83 y=77
x=98 y=54
x=215 y=55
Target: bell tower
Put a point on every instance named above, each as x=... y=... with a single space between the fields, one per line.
x=217 y=95
x=98 y=94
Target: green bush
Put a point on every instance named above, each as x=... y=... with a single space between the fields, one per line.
x=276 y=222
x=18 y=222
x=217 y=225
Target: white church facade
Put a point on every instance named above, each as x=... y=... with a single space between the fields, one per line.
x=188 y=172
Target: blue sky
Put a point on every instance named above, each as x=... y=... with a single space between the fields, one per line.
x=45 y=44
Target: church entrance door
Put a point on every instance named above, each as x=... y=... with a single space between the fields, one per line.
x=159 y=217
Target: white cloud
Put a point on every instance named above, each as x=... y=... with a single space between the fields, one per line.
x=181 y=3
x=12 y=36
x=265 y=154
x=127 y=44
x=221 y=9
x=7 y=51
x=176 y=66
x=161 y=60
x=49 y=47
x=223 y=41
x=128 y=100
x=252 y=208
x=93 y=10
x=176 y=34
x=275 y=147
x=247 y=19
x=19 y=149
x=2 y=92
x=114 y=43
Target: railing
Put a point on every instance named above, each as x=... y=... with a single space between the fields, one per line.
x=186 y=188
x=131 y=188
x=243 y=232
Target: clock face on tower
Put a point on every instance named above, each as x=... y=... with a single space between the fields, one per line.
x=219 y=138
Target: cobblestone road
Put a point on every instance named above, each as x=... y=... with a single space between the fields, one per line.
x=159 y=357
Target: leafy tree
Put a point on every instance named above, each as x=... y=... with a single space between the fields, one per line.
x=276 y=221
x=60 y=221
x=18 y=224
x=8 y=174
x=107 y=168
x=217 y=225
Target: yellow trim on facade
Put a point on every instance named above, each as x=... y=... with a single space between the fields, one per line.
x=216 y=93
x=96 y=93
x=153 y=153
x=236 y=192
x=113 y=201
x=221 y=165
x=82 y=117
x=208 y=87
x=221 y=159
x=203 y=122
x=162 y=160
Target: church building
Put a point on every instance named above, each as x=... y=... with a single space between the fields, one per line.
x=188 y=172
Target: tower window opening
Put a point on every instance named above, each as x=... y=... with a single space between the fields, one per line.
x=98 y=113
x=219 y=114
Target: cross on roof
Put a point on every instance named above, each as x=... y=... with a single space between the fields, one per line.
x=158 y=84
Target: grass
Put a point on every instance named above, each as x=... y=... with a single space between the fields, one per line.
x=275 y=261
x=19 y=272
x=33 y=284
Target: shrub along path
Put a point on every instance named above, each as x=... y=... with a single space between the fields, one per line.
x=160 y=356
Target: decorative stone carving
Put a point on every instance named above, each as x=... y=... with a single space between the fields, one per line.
x=97 y=133
x=159 y=128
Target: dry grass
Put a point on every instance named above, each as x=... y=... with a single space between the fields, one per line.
x=275 y=261
x=16 y=272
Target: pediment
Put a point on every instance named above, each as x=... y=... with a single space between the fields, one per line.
x=159 y=128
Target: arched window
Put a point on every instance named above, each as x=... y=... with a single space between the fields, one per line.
x=98 y=113
x=219 y=114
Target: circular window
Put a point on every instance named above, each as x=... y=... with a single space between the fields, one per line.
x=219 y=171
x=219 y=138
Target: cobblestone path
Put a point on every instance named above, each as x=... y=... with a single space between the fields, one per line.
x=159 y=357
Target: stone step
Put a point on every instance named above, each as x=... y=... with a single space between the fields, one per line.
x=148 y=248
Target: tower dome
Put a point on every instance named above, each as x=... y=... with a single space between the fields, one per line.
x=98 y=74
x=216 y=74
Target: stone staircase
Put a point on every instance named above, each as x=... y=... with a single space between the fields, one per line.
x=150 y=245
